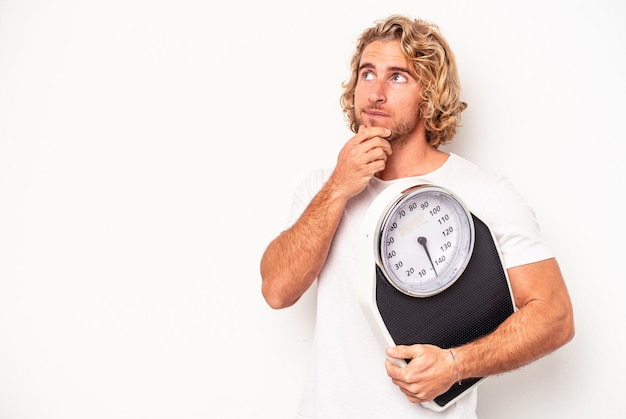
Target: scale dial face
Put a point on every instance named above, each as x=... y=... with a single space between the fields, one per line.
x=425 y=241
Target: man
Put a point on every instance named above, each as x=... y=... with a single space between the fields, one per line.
x=402 y=102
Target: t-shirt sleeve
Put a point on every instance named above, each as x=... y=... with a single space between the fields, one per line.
x=515 y=227
x=306 y=191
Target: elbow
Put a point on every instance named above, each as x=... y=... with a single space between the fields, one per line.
x=569 y=329
x=280 y=287
x=275 y=290
x=274 y=297
x=566 y=329
x=277 y=304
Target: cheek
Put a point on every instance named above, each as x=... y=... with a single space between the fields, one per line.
x=412 y=105
x=360 y=96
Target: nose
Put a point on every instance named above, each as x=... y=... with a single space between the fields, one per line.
x=378 y=92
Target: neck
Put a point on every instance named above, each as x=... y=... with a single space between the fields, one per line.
x=412 y=159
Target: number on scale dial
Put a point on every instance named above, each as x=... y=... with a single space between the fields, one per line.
x=426 y=240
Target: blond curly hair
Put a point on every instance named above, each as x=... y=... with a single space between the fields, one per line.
x=434 y=65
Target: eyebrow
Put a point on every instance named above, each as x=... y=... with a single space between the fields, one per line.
x=389 y=69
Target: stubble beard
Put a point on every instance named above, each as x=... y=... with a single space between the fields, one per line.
x=400 y=133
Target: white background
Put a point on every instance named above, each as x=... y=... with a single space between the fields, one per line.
x=148 y=153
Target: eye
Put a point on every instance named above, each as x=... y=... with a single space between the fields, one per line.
x=399 y=78
x=367 y=75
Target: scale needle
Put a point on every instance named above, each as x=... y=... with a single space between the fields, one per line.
x=422 y=241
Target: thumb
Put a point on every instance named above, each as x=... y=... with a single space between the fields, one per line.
x=402 y=352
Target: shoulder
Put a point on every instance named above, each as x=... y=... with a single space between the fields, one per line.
x=474 y=185
x=496 y=201
x=308 y=187
x=311 y=184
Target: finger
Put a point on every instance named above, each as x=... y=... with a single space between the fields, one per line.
x=378 y=152
x=371 y=132
x=397 y=373
x=402 y=352
x=377 y=145
x=410 y=393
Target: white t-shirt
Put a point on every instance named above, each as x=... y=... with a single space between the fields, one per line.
x=347 y=377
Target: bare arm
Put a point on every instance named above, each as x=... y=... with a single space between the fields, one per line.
x=293 y=260
x=543 y=323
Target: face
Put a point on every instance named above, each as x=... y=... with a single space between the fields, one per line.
x=386 y=93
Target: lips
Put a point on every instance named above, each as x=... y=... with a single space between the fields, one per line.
x=375 y=113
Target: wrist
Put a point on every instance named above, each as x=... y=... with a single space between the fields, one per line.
x=456 y=369
x=336 y=192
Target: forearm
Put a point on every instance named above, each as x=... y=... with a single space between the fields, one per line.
x=294 y=259
x=543 y=323
x=520 y=340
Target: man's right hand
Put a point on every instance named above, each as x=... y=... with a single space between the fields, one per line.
x=293 y=260
x=361 y=157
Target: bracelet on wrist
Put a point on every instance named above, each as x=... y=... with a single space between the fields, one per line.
x=456 y=367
